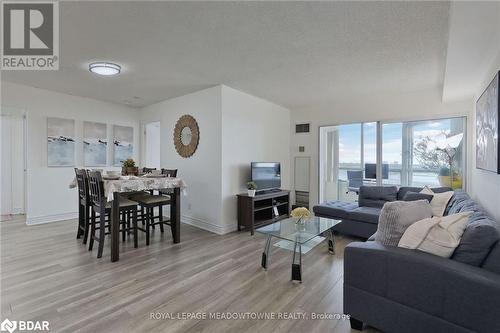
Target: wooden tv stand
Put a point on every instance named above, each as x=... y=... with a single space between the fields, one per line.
x=254 y=212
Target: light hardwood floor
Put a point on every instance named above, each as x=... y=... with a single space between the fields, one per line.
x=47 y=274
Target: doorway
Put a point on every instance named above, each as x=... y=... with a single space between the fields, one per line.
x=152 y=151
x=13 y=162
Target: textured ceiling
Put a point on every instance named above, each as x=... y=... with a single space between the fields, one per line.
x=299 y=55
x=473 y=43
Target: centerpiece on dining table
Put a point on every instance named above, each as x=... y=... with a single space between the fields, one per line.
x=129 y=168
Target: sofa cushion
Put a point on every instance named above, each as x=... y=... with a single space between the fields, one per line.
x=439 y=201
x=414 y=196
x=376 y=196
x=492 y=261
x=481 y=233
x=479 y=237
x=335 y=208
x=436 y=235
x=403 y=189
x=365 y=214
x=397 y=216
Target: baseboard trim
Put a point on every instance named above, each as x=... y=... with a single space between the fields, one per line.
x=17 y=211
x=195 y=222
x=208 y=226
x=51 y=218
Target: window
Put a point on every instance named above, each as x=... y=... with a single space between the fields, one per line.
x=423 y=152
x=392 y=156
x=348 y=159
x=349 y=149
x=414 y=153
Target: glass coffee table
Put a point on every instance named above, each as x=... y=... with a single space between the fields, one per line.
x=298 y=233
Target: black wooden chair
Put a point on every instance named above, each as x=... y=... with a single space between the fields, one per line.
x=147 y=170
x=101 y=206
x=83 y=205
x=148 y=202
x=168 y=173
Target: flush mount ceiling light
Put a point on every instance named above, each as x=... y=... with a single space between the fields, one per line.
x=105 y=68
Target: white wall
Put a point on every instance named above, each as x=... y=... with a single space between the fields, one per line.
x=202 y=172
x=48 y=196
x=485 y=186
x=12 y=180
x=424 y=104
x=235 y=129
x=253 y=129
x=152 y=146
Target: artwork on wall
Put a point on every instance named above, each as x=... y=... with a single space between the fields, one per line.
x=186 y=136
x=487 y=128
x=95 y=143
x=123 y=143
x=60 y=142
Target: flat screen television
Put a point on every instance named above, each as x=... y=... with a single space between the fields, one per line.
x=266 y=175
x=371 y=171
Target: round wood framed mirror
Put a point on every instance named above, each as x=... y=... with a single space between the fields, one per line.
x=186 y=136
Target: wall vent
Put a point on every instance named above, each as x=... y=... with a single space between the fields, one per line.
x=302 y=128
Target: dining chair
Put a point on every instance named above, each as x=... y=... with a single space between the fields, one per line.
x=169 y=172
x=83 y=204
x=148 y=202
x=147 y=170
x=102 y=207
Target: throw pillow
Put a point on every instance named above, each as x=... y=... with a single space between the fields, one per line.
x=396 y=216
x=439 y=200
x=436 y=235
x=414 y=196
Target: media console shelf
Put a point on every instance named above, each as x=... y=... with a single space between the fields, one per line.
x=254 y=212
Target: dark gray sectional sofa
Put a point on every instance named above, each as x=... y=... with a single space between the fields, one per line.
x=361 y=218
x=401 y=290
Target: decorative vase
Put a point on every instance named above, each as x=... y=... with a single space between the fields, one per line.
x=300 y=223
x=251 y=193
x=446 y=181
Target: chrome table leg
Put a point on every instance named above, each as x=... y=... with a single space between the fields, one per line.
x=331 y=241
x=266 y=254
x=297 y=267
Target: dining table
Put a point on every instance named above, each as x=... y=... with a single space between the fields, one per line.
x=113 y=188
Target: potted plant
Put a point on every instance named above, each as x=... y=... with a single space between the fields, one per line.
x=432 y=156
x=129 y=168
x=252 y=187
x=449 y=178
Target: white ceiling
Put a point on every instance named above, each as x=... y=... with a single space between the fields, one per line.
x=295 y=54
x=474 y=42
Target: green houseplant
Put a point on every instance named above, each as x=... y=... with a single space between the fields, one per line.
x=129 y=168
x=251 y=187
x=433 y=157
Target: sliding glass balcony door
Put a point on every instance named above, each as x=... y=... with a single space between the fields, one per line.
x=413 y=153
x=348 y=157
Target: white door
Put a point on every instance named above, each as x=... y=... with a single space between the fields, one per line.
x=12 y=180
x=152 y=145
